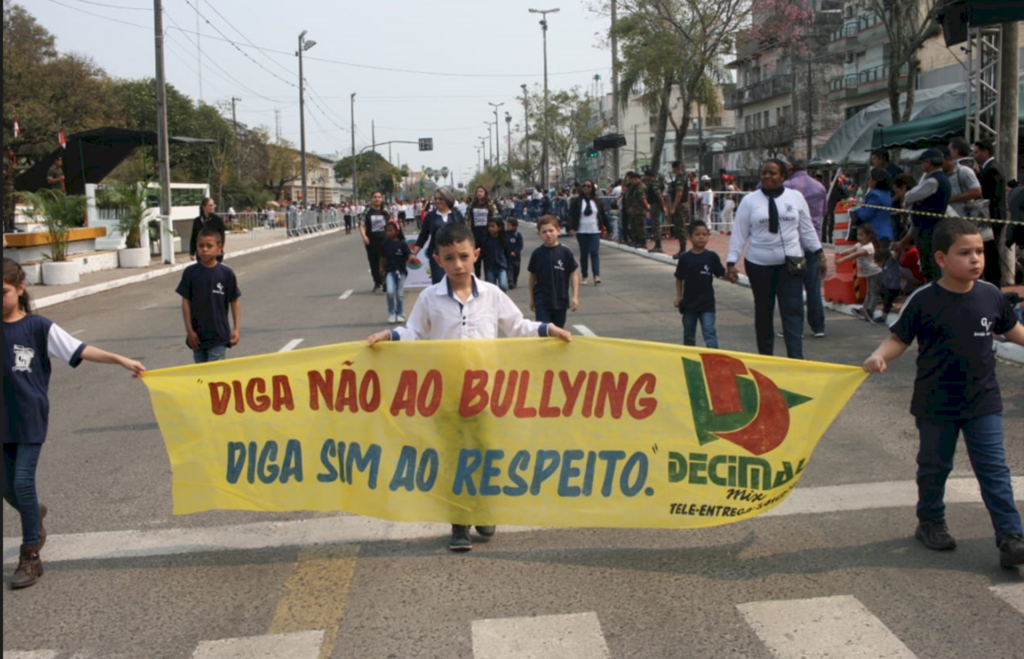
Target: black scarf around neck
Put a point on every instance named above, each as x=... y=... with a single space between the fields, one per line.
x=773 y=210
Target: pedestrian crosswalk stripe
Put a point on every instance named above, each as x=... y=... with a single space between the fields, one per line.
x=301 y=645
x=346 y=294
x=39 y=654
x=584 y=330
x=291 y=345
x=1013 y=593
x=823 y=627
x=574 y=636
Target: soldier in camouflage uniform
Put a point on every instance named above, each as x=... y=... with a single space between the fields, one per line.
x=679 y=205
x=636 y=207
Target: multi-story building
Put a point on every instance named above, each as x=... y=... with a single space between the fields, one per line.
x=320 y=182
x=778 y=101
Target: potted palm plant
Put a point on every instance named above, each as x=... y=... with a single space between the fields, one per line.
x=131 y=202
x=59 y=213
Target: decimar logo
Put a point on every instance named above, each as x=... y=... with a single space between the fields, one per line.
x=738 y=404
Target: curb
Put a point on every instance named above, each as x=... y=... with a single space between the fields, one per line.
x=86 y=291
x=1007 y=351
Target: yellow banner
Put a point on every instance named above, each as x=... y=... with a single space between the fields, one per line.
x=533 y=432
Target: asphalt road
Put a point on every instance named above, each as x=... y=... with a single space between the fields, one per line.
x=774 y=586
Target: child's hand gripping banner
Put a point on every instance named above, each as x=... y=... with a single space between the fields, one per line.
x=533 y=432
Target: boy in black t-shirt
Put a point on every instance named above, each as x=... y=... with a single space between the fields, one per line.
x=954 y=320
x=207 y=289
x=696 y=300
x=554 y=276
x=514 y=247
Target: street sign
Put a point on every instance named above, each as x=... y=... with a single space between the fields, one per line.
x=426 y=144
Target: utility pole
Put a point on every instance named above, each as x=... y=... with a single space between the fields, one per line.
x=303 y=47
x=544 y=150
x=199 y=53
x=497 y=133
x=526 y=121
x=234 y=113
x=508 y=151
x=615 y=92
x=277 y=125
x=355 y=171
x=373 y=141
x=162 y=147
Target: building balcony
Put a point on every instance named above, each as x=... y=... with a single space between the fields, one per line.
x=844 y=38
x=780 y=83
x=863 y=82
x=761 y=138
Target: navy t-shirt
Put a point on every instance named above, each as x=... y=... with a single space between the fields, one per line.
x=395 y=254
x=28 y=344
x=514 y=243
x=553 y=267
x=956 y=376
x=210 y=291
x=697 y=272
x=493 y=253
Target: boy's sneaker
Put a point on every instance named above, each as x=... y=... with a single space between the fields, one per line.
x=486 y=531
x=401 y=318
x=935 y=535
x=460 y=538
x=392 y=318
x=1011 y=551
x=819 y=335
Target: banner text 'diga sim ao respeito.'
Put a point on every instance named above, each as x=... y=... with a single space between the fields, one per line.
x=597 y=432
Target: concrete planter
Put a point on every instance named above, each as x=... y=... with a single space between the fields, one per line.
x=137 y=257
x=61 y=273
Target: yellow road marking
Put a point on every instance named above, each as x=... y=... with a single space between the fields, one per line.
x=315 y=593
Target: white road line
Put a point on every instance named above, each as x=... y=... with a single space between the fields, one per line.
x=301 y=645
x=352 y=529
x=39 y=654
x=77 y=332
x=821 y=628
x=576 y=636
x=291 y=345
x=584 y=330
x=149 y=306
x=1013 y=593
x=346 y=294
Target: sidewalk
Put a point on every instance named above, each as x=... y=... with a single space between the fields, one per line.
x=236 y=244
x=720 y=244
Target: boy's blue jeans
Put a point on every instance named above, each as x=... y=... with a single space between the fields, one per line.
x=983 y=437
x=394 y=283
x=20 y=463
x=211 y=354
x=498 y=277
x=707 y=329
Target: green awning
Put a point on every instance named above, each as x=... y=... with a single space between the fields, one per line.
x=929 y=131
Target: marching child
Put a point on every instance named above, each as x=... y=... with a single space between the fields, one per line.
x=29 y=343
x=864 y=251
x=442 y=310
x=494 y=254
x=207 y=289
x=892 y=284
x=695 y=291
x=514 y=245
x=554 y=276
x=954 y=321
x=394 y=255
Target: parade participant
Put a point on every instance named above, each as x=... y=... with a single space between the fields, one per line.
x=588 y=221
x=461 y=306
x=776 y=223
x=679 y=205
x=956 y=391
x=394 y=255
x=930 y=196
x=207 y=289
x=207 y=219
x=554 y=277
x=443 y=213
x=514 y=243
x=635 y=208
x=479 y=214
x=372 y=228
x=29 y=343
x=695 y=291
x=494 y=254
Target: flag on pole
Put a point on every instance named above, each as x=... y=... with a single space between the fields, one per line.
x=17 y=128
x=63 y=142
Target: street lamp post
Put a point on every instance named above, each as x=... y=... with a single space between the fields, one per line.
x=508 y=151
x=544 y=148
x=497 y=133
x=303 y=47
x=355 y=173
x=526 y=126
x=490 y=136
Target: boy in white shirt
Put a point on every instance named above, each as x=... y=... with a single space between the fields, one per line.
x=461 y=306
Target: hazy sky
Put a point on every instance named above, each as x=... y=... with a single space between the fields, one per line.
x=449 y=58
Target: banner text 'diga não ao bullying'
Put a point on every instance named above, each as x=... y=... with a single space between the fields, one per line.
x=597 y=432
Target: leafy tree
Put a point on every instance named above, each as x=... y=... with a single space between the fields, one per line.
x=367 y=164
x=283 y=165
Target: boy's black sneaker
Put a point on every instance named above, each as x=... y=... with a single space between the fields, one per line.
x=486 y=531
x=935 y=535
x=1011 y=551
x=460 y=538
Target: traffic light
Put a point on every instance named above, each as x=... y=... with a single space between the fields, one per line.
x=592 y=154
x=426 y=144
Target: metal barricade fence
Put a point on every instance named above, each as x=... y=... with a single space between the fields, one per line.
x=306 y=222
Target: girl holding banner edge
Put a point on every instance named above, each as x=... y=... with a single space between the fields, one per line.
x=455 y=308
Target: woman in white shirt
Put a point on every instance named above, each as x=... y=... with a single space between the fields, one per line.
x=587 y=220
x=771 y=224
